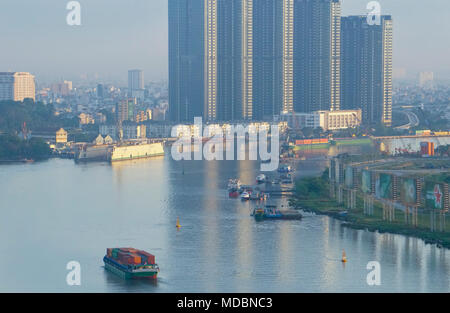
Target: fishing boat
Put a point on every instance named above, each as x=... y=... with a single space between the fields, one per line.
x=285 y=169
x=234 y=187
x=261 y=178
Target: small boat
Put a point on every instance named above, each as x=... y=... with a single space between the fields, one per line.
x=245 y=195
x=234 y=184
x=178 y=223
x=261 y=178
x=285 y=169
x=233 y=194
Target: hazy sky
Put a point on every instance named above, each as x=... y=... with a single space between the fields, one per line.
x=117 y=35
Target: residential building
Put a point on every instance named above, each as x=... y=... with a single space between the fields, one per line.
x=366 y=72
x=17 y=86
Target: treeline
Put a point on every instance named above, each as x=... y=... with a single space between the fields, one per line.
x=36 y=115
x=14 y=148
x=313 y=187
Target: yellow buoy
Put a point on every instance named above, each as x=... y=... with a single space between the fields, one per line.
x=178 y=223
x=344 y=257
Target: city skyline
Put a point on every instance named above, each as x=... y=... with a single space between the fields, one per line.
x=113 y=34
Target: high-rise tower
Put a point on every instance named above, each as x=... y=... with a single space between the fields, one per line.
x=367 y=68
x=211 y=59
x=316 y=55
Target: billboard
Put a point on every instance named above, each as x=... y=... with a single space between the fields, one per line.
x=349 y=177
x=434 y=196
x=384 y=186
x=409 y=191
x=366 y=181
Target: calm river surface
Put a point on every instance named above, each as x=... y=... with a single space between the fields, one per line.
x=58 y=211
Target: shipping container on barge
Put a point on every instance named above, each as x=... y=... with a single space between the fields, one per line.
x=130 y=263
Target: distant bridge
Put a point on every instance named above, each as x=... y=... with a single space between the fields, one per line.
x=410 y=137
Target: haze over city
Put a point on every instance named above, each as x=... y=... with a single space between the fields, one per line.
x=118 y=35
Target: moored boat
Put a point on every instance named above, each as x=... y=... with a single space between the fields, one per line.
x=271 y=212
x=245 y=195
x=261 y=178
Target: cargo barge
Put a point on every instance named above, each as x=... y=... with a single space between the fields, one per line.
x=272 y=213
x=130 y=263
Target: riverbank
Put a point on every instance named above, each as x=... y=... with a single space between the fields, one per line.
x=312 y=195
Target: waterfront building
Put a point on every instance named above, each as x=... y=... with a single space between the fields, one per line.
x=17 y=86
x=98 y=141
x=109 y=130
x=367 y=68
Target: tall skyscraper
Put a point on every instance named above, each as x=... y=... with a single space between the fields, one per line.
x=316 y=55
x=210 y=59
x=251 y=59
x=267 y=58
x=135 y=83
x=17 y=86
x=367 y=68
x=187 y=51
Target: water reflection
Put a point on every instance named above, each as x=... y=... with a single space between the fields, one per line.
x=76 y=211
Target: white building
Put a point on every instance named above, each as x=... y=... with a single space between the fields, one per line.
x=327 y=120
x=17 y=86
x=341 y=119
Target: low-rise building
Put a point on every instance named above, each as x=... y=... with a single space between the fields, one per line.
x=327 y=120
x=61 y=136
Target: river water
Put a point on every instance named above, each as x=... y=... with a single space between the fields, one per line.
x=57 y=211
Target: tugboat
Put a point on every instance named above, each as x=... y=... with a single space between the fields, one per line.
x=130 y=263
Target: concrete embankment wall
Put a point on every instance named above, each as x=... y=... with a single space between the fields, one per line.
x=138 y=151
